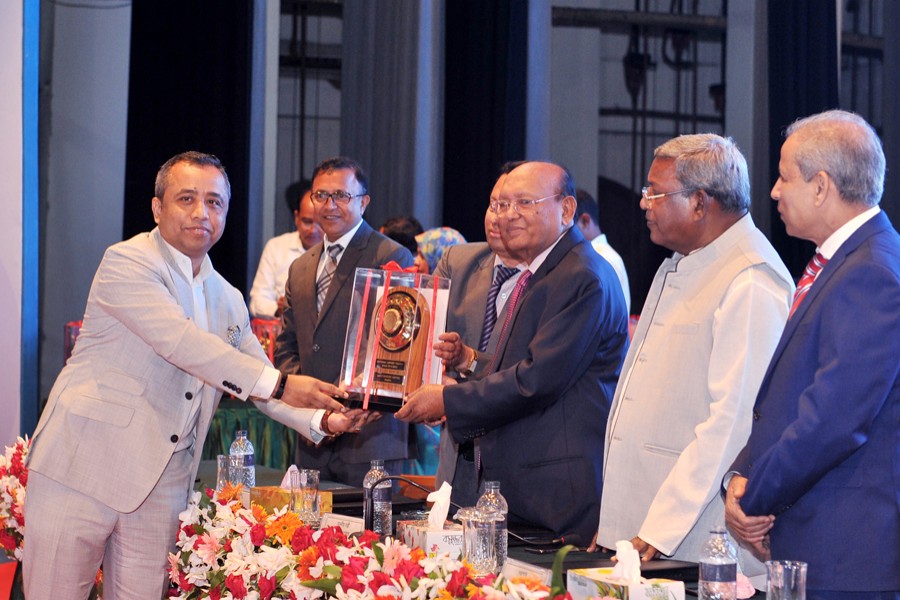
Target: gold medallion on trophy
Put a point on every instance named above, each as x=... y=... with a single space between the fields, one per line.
x=400 y=350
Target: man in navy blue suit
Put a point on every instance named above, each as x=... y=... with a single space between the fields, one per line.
x=819 y=478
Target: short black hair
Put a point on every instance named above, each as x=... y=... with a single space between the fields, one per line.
x=295 y=192
x=587 y=204
x=337 y=163
x=403 y=230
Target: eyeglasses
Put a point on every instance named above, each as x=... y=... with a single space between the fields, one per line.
x=520 y=205
x=649 y=198
x=339 y=197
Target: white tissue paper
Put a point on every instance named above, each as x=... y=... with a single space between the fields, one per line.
x=628 y=563
x=286 y=480
x=438 y=513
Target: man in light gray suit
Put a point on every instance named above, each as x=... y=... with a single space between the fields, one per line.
x=117 y=447
x=472 y=268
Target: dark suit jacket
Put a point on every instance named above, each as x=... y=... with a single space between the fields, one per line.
x=311 y=344
x=542 y=412
x=824 y=452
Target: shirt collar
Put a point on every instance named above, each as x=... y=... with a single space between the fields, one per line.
x=535 y=264
x=836 y=239
x=344 y=240
x=183 y=262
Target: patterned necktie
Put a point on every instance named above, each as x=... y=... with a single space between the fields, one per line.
x=806 y=280
x=521 y=284
x=326 y=275
x=502 y=274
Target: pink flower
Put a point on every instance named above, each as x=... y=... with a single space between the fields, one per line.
x=207 y=548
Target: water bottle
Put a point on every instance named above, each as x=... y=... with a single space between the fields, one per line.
x=382 y=510
x=718 y=567
x=241 y=446
x=492 y=500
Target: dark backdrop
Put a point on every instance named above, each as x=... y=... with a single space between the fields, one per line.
x=484 y=104
x=803 y=80
x=189 y=89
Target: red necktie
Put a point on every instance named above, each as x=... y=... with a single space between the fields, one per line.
x=524 y=278
x=806 y=280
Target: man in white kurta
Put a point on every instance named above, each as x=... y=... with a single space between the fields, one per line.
x=716 y=308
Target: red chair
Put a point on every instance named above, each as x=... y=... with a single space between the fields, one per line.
x=266 y=330
x=73 y=328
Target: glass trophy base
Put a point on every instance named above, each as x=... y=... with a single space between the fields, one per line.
x=388 y=404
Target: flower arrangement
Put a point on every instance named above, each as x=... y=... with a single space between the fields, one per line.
x=228 y=552
x=13 y=479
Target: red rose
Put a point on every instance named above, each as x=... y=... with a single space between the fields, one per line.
x=351 y=572
x=7 y=541
x=379 y=578
x=235 y=585
x=189 y=530
x=215 y=593
x=267 y=586
x=258 y=534
x=367 y=538
x=409 y=569
x=302 y=539
x=458 y=581
x=227 y=546
x=184 y=584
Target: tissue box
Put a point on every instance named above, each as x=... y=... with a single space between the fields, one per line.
x=432 y=541
x=272 y=497
x=590 y=583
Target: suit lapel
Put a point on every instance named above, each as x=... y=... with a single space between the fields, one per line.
x=565 y=244
x=874 y=225
x=180 y=286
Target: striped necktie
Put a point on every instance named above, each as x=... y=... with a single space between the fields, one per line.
x=327 y=275
x=501 y=275
x=806 y=280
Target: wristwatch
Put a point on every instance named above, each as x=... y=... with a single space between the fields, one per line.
x=470 y=367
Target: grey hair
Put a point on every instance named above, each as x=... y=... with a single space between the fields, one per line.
x=709 y=162
x=846 y=147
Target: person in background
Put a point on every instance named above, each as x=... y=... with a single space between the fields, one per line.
x=541 y=407
x=267 y=293
x=432 y=244
x=317 y=306
x=712 y=317
x=403 y=230
x=115 y=453
x=819 y=479
x=587 y=217
x=483 y=275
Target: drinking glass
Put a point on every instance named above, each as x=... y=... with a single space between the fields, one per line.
x=305 y=495
x=786 y=580
x=478 y=539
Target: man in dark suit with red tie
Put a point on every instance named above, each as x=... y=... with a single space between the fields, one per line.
x=540 y=410
x=819 y=478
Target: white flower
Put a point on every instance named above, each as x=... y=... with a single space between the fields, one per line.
x=271 y=560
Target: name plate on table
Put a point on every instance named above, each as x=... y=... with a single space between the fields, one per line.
x=518 y=568
x=394 y=320
x=347 y=524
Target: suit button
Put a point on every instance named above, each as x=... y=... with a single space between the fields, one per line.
x=238 y=390
x=756 y=415
x=316 y=348
x=174 y=438
x=188 y=396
